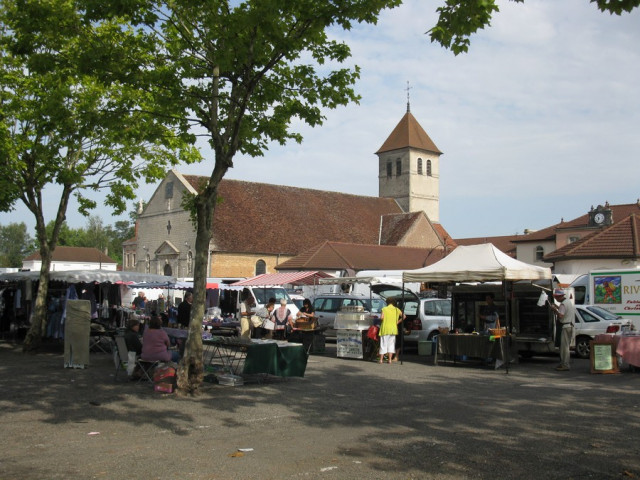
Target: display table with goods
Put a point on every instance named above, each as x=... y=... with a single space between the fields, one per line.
x=243 y=356
x=627 y=346
x=351 y=324
x=463 y=346
x=309 y=334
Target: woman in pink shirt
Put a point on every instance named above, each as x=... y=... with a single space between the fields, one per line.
x=155 y=343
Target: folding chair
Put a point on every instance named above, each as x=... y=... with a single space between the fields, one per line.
x=120 y=355
x=146 y=368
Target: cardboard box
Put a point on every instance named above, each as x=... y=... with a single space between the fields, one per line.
x=425 y=347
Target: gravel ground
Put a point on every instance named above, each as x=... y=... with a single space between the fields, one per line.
x=346 y=419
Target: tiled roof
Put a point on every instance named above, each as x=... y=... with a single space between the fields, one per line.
x=75 y=254
x=618 y=212
x=620 y=240
x=248 y=207
x=449 y=242
x=503 y=243
x=395 y=226
x=343 y=256
x=408 y=133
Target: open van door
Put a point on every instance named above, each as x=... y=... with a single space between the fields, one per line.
x=407 y=301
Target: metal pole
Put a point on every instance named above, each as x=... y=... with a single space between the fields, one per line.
x=402 y=326
x=507 y=338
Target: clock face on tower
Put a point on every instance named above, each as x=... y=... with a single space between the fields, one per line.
x=598 y=218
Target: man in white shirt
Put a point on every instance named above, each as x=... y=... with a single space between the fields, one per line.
x=565 y=319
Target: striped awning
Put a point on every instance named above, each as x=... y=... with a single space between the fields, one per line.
x=287 y=278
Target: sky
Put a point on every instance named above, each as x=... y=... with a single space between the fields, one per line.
x=538 y=122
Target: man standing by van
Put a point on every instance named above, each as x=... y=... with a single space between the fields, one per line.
x=565 y=319
x=246 y=312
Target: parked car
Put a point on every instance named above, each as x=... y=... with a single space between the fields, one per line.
x=327 y=305
x=424 y=315
x=592 y=321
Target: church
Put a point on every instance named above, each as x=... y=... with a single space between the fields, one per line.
x=264 y=228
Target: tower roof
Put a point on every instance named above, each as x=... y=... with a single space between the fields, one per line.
x=408 y=133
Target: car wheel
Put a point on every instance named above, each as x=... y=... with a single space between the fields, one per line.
x=431 y=335
x=583 y=348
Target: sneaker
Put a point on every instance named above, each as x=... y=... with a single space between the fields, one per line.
x=562 y=368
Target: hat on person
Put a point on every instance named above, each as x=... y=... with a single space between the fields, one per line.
x=558 y=292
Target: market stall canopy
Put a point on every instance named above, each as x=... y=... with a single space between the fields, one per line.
x=477 y=263
x=88 y=276
x=182 y=285
x=289 y=278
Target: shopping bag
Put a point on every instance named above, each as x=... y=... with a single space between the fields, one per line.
x=131 y=362
x=256 y=321
x=269 y=325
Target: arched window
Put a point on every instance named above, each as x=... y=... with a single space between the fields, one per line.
x=398 y=168
x=148 y=264
x=419 y=166
x=428 y=168
x=167 y=270
x=190 y=261
x=539 y=253
x=261 y=267
x=389 y=170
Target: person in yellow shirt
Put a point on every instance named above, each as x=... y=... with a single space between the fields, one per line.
x=391 y=317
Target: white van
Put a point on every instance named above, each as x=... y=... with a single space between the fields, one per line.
x=262 y=294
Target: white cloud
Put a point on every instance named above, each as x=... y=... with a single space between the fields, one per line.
x=537 y=122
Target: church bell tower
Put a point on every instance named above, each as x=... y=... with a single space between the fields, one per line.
x=409 y=168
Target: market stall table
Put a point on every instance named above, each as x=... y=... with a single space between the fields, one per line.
x=476 y=346
x=268 y=357
x=627 y=346
x=312 y=339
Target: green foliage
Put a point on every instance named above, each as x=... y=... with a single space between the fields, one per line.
x=459 y=19
x=69 y=115
x=95 y=234
x=15 y=244
x=617 y=7
x=244 y=71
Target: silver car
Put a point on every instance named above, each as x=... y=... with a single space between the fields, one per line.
x=327 y=306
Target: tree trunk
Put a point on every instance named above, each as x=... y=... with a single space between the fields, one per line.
x=39 y=314
x=47 y=246
x=191 y=368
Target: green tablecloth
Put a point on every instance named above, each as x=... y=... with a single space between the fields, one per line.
x=288 y=361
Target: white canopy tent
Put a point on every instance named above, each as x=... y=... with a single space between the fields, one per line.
x=477 y=263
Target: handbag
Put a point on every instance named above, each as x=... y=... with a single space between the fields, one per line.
x=268 y=325
x=372 y=333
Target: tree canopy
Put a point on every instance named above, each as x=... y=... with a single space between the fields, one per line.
x=70 y=118
x=459 y=19
x=15 y=244
x=242 y=73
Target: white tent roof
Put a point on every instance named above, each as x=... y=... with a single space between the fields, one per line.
x=477 y=263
